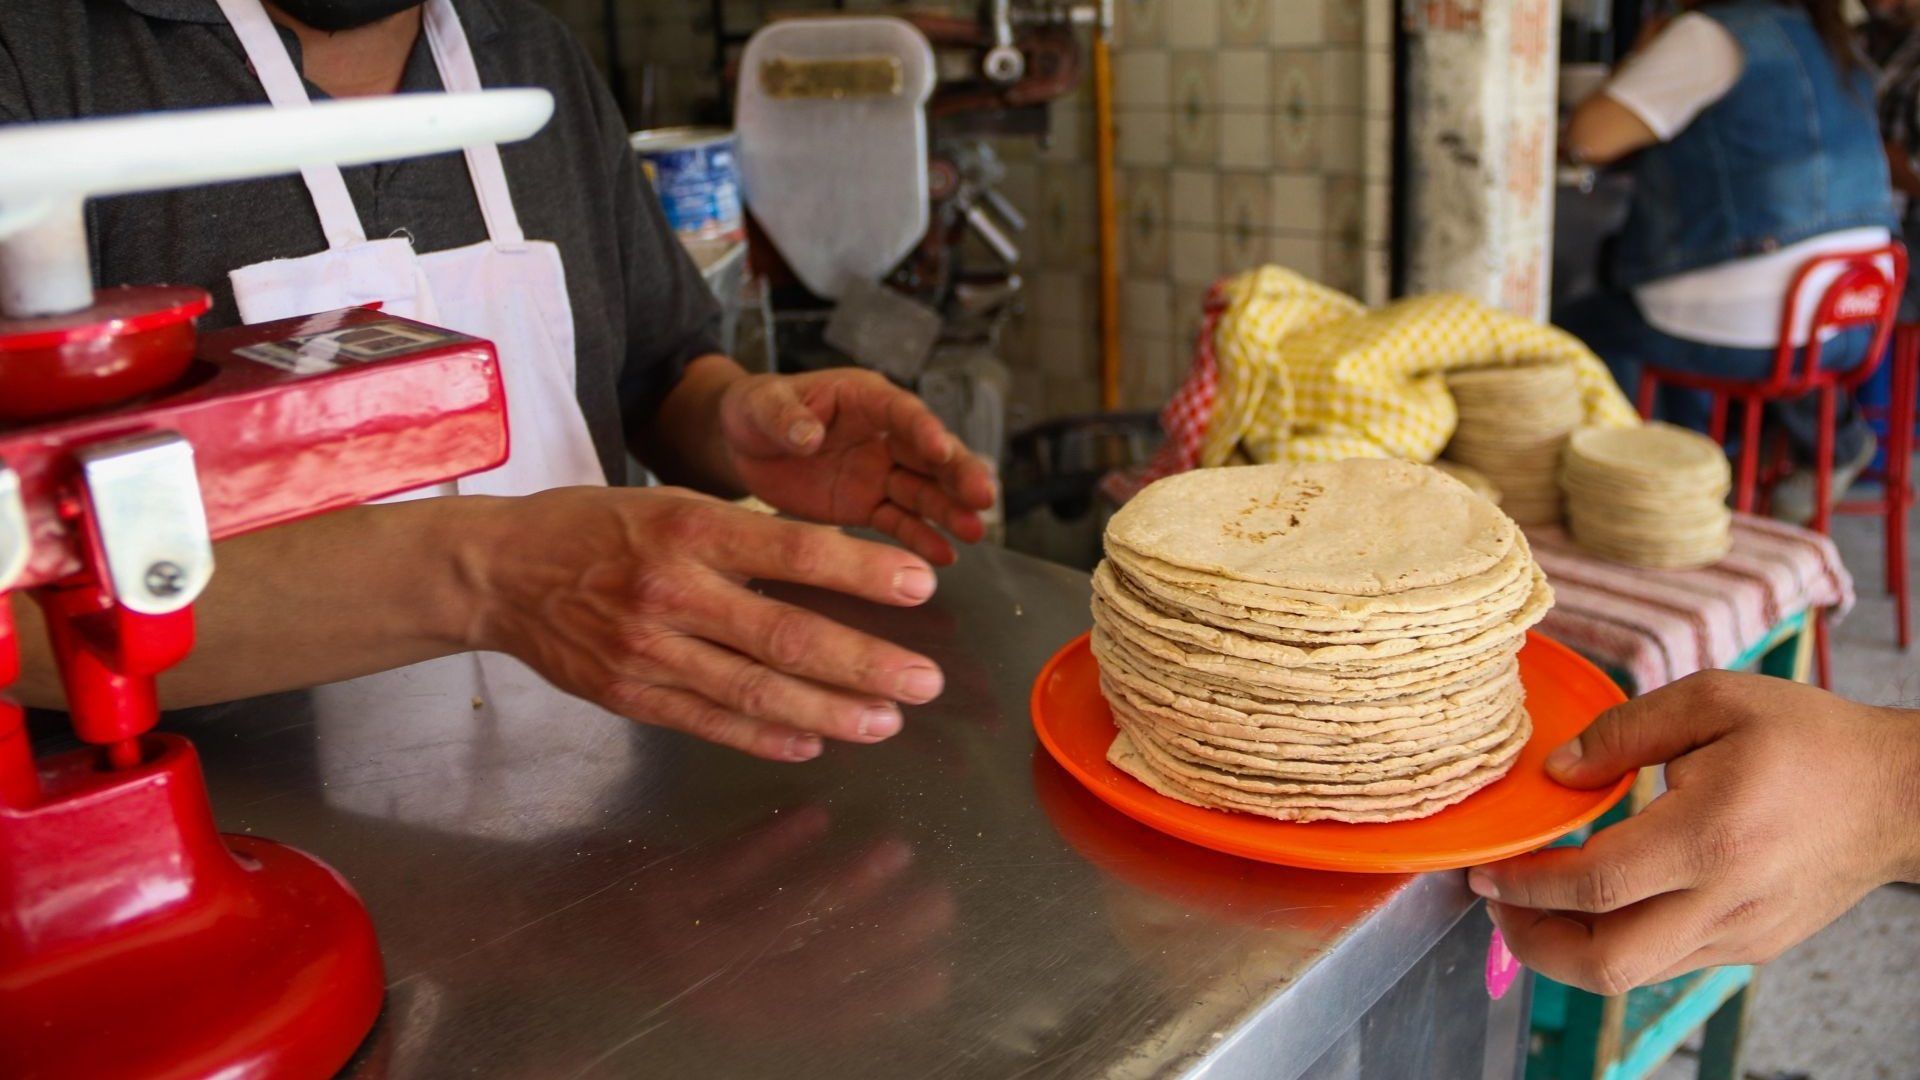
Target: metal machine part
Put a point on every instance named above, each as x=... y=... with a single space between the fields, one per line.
x=146 y=521
x=14 y=540
x=1004 y=63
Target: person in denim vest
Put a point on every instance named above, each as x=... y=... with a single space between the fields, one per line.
x=1757 y=149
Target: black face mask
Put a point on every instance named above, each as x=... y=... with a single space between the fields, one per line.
x=334 y=15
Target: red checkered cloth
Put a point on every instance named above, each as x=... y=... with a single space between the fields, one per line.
x=1659 y=626
x=1185 y=419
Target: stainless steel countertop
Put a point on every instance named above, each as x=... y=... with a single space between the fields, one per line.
x=562 y=893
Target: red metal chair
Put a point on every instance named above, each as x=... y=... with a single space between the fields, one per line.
x=1866 y=293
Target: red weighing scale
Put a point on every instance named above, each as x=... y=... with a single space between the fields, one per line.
x=135 y=939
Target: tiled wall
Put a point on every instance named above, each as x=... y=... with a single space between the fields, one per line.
x=1248 y=131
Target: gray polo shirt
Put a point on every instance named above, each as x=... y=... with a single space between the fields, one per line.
x=640 y=308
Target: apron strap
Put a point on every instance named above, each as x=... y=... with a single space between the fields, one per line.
x=268 y=54
x=458 y=73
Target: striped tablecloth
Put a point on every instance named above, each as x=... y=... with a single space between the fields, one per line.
x=1661 y=625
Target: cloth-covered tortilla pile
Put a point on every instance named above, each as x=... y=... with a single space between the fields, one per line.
x=1320 y=642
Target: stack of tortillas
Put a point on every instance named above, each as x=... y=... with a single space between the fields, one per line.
x=1315 y=642
x=1475 y=480
x=1652 y=496
x=1514 y=422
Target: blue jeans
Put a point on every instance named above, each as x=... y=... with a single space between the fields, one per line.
x=1611 y=325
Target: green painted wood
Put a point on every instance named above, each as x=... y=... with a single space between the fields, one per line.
x=1665 y=1030
x=1725 y=1039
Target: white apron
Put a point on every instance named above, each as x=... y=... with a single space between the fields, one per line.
x=508 y=290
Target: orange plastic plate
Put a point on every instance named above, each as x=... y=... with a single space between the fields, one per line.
x=1523 y=811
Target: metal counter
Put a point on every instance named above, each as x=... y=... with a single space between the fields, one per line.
x=562 y=893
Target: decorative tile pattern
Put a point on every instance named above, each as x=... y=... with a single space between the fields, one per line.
x=1248 y=131
x=1140 y=23
x=1244 y=22
x=1145 y=222
x=1297 y=111
x=1245 y=209
x=1196 y=107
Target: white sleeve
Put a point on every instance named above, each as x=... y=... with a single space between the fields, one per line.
x=1691 y=65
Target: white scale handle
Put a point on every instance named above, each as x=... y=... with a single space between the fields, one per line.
x=48 y=170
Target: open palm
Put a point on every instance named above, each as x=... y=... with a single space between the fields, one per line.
x=846 y=447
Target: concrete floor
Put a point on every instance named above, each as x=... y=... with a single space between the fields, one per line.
x=1845 y=1005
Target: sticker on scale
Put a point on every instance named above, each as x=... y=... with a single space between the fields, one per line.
x=316 y=354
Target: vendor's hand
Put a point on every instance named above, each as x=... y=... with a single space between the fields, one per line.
x=637 y=600
x=1785 y=805
x=847 y=447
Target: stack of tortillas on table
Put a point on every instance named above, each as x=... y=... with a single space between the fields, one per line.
x=1652 y=496
x=1514 y=422
x=1315 y=642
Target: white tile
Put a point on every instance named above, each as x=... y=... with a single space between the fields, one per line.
x=1146 y=306
x=1340 y=145
x=1344 y=20
x=1376 y=158
x=1061 y=296
x=1344 y=80
x=1196 y=198
x=1299 y=22
x=1192 y=24
x=1069 y=138
x=1064 y=351
x=1144 y=136
x=1377 y=82
x=1299 y=202
x=1244 y=22
x=1141 y=77
x=1141 y=23
x=1246 y=140
x=1380 y=18
x=1299 y=254
x=1246 y=78
x=1246 y=204
x=1196 y=255
x=1196 y=137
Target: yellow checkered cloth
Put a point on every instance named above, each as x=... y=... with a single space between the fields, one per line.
x=1310 y=374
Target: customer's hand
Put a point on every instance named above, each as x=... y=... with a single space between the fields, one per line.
x=638 y=601
x=847 y=447
x=1785 y=805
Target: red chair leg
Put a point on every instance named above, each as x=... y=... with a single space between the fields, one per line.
x=1898 y=485
x=1823 y=464
x=1717 y=427
x=1746 y=480
x=1649 y=389
x=1822 y=657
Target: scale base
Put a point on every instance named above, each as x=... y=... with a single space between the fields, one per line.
x=136 y=941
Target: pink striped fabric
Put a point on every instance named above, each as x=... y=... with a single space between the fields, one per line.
x=1661 y=625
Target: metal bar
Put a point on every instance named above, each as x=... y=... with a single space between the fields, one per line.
x=1109 y=214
